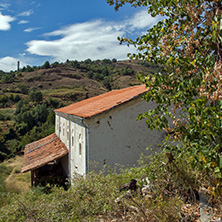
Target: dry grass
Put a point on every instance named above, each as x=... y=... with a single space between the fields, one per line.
x=17 y=181
x=14 y=162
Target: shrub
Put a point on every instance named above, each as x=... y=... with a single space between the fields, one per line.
x=23 y=88
x=35 y=96
x=46 y=65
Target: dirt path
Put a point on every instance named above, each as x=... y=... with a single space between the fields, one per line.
x=7 y=180
x=17 y=181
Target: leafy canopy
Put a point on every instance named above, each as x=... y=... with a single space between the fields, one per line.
x=188 y=43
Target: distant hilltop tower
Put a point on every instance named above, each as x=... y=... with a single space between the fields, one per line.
x=18 y=64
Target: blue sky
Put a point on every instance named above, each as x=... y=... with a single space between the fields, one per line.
x=33 y=32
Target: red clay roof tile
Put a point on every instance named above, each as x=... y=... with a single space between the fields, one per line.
x=43 y=151
x=98 y=104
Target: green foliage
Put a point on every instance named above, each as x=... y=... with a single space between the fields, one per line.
x=7 y=78
x=8 y=100
x=34 y=119
x=35 y=96
x=46 y=65
x=93 y=198
x=75 y=64
x=19 y=74
x=54 y=103
x=3 y=98
x=28 y=68
x=4 y=152
x=4 y=173
x=14 y=146
x=16 y=98
x=188 y=44
x=114 y=60
x=127 y=71
x=107 y=83
x=23 y=88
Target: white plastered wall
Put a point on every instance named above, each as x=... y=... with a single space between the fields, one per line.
x=117 y=137
x=77 y=148
x=72 y=132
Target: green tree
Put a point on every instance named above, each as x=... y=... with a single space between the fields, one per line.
x=35 y=96
x=187 y=42
x=46 y=65
x=16 y=98
x=40 y=113
x=28 y=69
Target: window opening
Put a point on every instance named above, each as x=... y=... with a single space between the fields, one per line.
x=80 y=149
x=72 y=137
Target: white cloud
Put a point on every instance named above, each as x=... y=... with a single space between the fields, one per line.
x=26 y=13
x=23 y=22
x=143 y=20
x=5 y=22
x=94 y=40
x=8 y=63
x=4 y=6
x=31 y=29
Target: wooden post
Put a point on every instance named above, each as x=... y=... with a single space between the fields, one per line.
x=32 y=178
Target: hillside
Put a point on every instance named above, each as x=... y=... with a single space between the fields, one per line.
x=76 y=81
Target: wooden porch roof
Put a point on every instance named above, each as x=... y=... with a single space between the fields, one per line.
x=43 y=151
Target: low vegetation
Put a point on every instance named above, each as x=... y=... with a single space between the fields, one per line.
x=167 y=191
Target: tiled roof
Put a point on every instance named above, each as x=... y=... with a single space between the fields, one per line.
x=43 y=151
x=98 y=104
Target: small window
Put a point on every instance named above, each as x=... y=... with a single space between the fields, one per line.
x=63 y=130
x=80 y=149
x=72 y=137
x=67 y=130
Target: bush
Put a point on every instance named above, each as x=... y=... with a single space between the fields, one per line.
x=3 y=98
x=16 y=98
x=127 y=71
x=35 y=96
x=2 y=117
x=46 y=65
x=23 y=88
x=7 y=78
